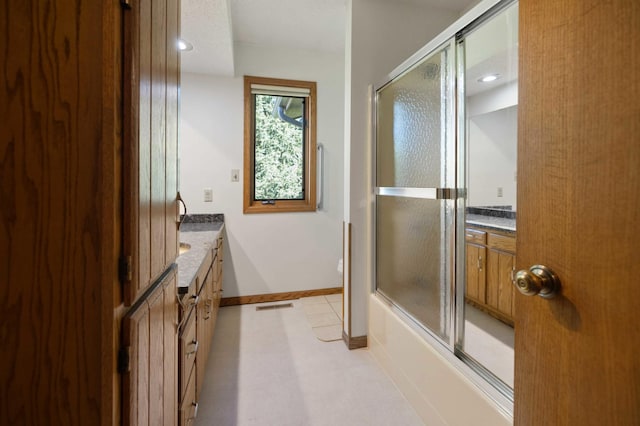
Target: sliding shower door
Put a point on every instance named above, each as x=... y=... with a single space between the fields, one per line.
x=415 y=177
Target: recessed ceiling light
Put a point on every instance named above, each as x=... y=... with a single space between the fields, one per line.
x=489 y=78
x=184 y=46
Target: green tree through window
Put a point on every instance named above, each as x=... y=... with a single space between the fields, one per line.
x=279 y=148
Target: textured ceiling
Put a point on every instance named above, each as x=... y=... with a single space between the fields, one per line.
x=307 y=24
x=206 y=24
x=213 y=26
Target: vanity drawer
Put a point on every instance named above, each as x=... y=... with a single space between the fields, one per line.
x=475 y=236
x=189 y=405
x=188 y=351
x=501 y=242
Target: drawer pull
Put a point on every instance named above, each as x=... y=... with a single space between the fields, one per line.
x=195 y=410
x=195 y=345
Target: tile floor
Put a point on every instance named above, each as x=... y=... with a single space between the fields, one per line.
x=324 y=314
x=268 y=368
x=490 y=342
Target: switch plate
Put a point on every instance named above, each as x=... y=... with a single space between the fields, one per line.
x=235 y=175
x=208 y=195
x=500 y=191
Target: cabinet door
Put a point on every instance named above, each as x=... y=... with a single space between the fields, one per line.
x=476 y=275
x=150 y=142
x=500 y=290
x=204 y=328
x=150 y=338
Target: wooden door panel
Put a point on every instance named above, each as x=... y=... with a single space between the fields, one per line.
x=158 y=134
x=156 y=358
x=170 y=346
x=135 y=382
x=150 y=394
x=150 y=141
x=171 y=152
x=576 y=359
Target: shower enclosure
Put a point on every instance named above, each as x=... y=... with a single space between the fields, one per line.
x=435 y=121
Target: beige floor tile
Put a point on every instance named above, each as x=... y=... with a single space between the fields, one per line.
x=328 y=333
x=313 y=300
x=317 y=308
x=334 y=297
x=337 y=308
x=323 y=319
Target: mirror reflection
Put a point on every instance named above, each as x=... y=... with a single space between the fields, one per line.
x=491 y=97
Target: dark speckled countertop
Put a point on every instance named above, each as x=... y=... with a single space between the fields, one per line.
x=489 y=218
x=200 y=233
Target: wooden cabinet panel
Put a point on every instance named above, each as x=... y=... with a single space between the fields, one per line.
x=204 y=328
x=475 y=236
x=500 y=291
x=476 y=260
x=189 y=407
x=501 y=242
x=490 y=269
x=188 y=351
x=150 y=340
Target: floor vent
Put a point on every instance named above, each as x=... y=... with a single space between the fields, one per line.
x=280 y=306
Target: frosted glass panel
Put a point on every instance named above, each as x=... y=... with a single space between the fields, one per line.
x=412 y=126
x=412 y=264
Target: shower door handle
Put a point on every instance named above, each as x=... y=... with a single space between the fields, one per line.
x=424 y=193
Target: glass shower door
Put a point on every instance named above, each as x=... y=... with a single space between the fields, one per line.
x=415 y=177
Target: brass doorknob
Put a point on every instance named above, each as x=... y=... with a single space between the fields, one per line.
x=538 y=280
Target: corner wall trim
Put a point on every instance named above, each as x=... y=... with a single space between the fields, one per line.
x=276 y=297
x=354 y=342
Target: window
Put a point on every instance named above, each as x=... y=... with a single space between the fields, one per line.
x=279 y=145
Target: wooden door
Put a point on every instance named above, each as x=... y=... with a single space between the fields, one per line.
x=578 y=355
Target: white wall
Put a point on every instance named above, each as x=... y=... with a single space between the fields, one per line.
x=382 y=35
x=266 y=253
x=493 y=146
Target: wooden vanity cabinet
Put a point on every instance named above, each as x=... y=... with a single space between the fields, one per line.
x=490 y=265
x=200 y=307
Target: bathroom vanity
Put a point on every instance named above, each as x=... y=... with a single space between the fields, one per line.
x=199 y=293
x=490 y=241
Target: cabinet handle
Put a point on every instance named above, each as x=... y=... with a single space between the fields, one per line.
x=195 y=300
x=195 y=410
x=180 y=200
x=480 y=263
x=195 y=344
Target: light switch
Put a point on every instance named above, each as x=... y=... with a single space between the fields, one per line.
x=208 y=195
x=235 y=175
x=500 y=191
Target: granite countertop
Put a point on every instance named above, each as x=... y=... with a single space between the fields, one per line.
x=492 y=218
x=201 y=235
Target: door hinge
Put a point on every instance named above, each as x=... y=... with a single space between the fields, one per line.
x=124 y=355
x=126 y=3
x=125 y=271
